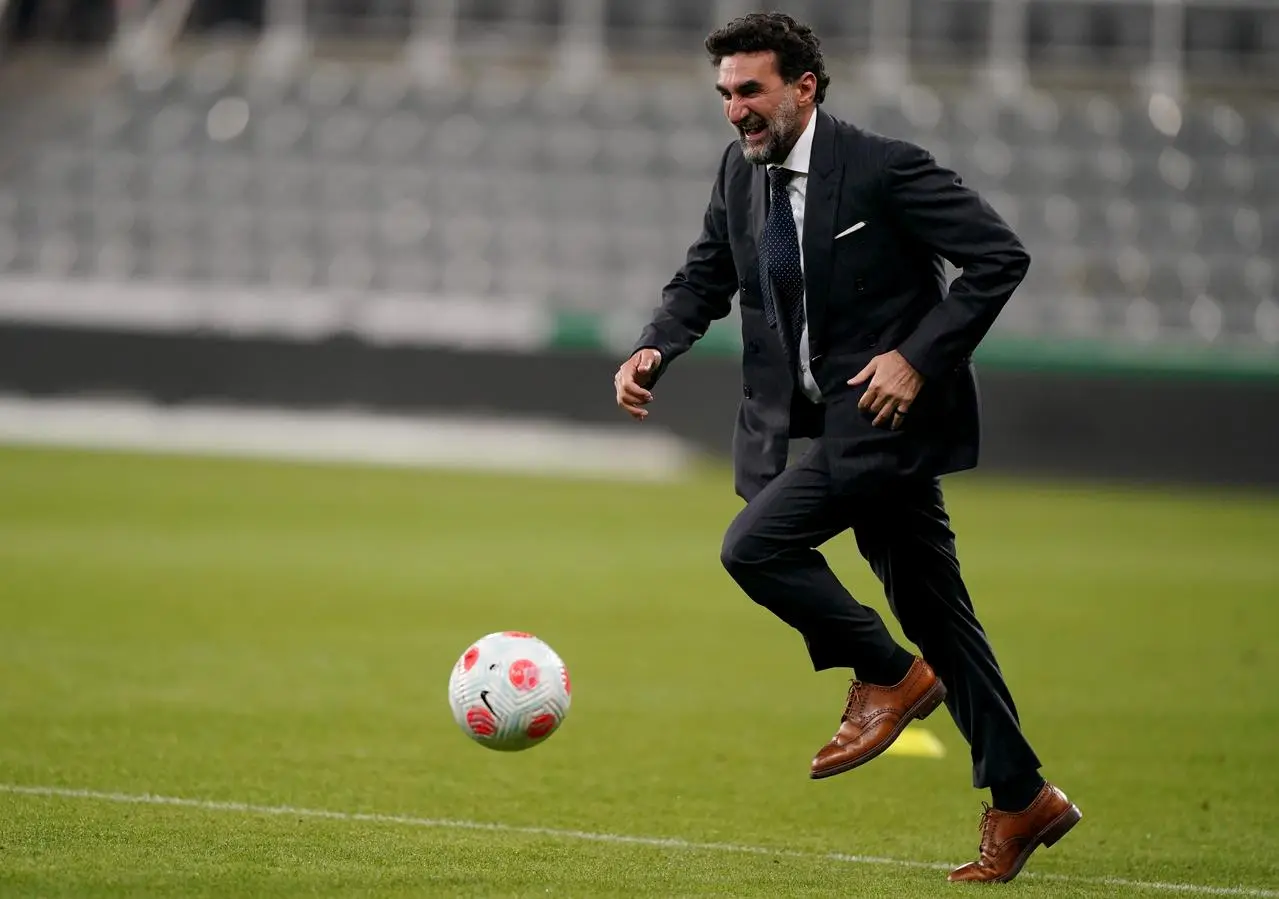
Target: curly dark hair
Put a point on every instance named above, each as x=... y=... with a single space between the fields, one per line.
x=798 y=49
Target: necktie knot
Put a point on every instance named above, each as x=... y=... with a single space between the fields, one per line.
x=779 y=177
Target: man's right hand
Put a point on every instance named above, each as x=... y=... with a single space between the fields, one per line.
x=632 y=380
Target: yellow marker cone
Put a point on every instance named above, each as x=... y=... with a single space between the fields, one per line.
x=916 y=742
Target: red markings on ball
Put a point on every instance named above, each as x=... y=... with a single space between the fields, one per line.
x=481 y=722
x=515 y=634
x=524 y=674
x=568 y=686
x=541 y=726
x=468 y=660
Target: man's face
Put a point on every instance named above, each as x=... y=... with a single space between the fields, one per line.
x=768 y=113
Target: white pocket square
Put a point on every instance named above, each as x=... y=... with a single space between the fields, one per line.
x=856 y=227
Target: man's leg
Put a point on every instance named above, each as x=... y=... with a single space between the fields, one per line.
x=907 y=539
x=910 y=545
x=771 y=551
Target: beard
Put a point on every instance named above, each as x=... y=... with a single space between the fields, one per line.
x=780 y=134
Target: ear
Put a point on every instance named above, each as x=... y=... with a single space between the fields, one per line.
x=807 y=85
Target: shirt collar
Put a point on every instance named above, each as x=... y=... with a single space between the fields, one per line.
x=797 y=161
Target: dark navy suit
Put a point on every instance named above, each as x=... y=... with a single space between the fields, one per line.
x=877 y=288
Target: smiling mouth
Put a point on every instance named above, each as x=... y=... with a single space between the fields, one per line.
x=754 y=134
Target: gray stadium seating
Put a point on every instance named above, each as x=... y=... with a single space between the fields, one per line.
x=353 y=177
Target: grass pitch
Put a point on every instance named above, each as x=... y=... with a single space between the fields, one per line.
x=281 y=636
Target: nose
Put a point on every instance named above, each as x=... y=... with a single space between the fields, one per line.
x=737 y=111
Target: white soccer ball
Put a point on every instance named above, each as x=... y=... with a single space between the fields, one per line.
x=509 y=691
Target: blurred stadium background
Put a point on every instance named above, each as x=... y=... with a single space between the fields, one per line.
x=414 y=205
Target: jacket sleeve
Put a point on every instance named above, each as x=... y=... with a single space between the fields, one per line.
x=702 y=290
x=932 y=204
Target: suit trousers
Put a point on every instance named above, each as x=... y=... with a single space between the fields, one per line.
x=903 y=530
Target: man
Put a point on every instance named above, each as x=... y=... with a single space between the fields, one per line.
x=833 y=238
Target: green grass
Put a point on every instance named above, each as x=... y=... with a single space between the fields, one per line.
x=282 y=635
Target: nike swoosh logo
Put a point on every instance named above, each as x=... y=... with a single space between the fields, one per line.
x=856 y=227
x=484 y=698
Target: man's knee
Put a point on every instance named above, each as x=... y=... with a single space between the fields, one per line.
x=743 y=551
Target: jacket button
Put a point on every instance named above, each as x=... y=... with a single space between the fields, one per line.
x=752 y=347
x=860 y=284
x=746 y=391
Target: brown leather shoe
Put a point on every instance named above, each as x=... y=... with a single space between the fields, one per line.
x=1008 y=838
x=875 y=716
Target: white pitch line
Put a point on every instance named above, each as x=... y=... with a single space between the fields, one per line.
x=247 y=808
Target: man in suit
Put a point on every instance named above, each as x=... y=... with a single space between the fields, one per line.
x=833 y=238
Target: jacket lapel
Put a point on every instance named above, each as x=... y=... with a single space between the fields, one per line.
x=821 y=205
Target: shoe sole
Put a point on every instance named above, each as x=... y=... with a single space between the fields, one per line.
x=923 y=707
x=1054 y=831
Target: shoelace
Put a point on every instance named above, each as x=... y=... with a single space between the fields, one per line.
x=987 y=827
x=854 y=698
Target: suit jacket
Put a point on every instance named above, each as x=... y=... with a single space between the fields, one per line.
x=878 y=288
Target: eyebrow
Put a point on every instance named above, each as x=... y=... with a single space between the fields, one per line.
x=746 y=87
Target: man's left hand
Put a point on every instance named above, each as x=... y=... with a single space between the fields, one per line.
x=894 y=384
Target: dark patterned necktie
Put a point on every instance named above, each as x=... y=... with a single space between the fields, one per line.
x=780 y=253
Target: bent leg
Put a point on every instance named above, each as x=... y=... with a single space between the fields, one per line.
x=770 y=550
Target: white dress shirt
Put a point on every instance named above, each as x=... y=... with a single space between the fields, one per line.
x=797 y=189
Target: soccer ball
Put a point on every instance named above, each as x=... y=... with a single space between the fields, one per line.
x=509 y=691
